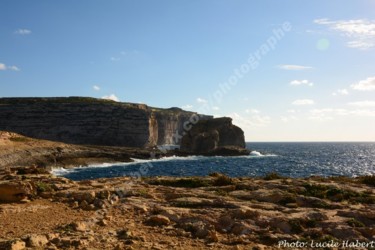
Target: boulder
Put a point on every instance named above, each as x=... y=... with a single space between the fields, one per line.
x=16 y=244
x=159 y=220
x=79 y=226
x=37 y=241
x=214 y=137
x=14 y=191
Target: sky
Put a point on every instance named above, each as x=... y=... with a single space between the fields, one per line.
x=283 y=70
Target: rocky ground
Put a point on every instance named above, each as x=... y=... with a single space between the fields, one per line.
x=41 y=211
x=215 y=212
x=18 y=150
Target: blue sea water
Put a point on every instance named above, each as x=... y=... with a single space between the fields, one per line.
x=288 y=159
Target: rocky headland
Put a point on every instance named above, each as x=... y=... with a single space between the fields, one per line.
x=214 y=137
x=42 y=211
x=91 y=121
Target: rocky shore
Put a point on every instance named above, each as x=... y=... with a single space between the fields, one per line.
x=40 y=211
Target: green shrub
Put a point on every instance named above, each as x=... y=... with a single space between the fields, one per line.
x=368 y=180
x=355 y=223
x=42 y=187
x=223 y=180
x=193 y=182
x=19 y=139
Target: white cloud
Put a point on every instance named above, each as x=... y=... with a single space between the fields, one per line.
x=129 y=52
x=301 y=82
x=96 y=87
x=292 y=111
x=301 y=102
x=201 y=100
x=22 y=32
x=363 y=112
x=14 y=68
x=250 y=122
x=341 y=92
x=362 y=104
x=288 y=118
x=360 y=31
x=360 y=45
x=5 y=67
x=329 y=113
x=293 y=67
x=365 y=85
x=215 y=108
x=112 y=97
x=325 y=114
x=188 y=106
x=114 y=59
x=252 y=111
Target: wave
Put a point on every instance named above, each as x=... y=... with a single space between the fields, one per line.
x=259 y=154
x=65 y=171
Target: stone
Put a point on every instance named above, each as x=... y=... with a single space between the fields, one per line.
x=52 y=236
x=79 y=226
x=140 y=208
x=305 y=201
x=240 y=228
x=124 y=234
x=192 y=202
x=214 y=137
x=90 y=207
x=281 y=224
x=103 y=222
x=266 y=195
x=120 y=246
x=89 y=121
x=170 y=214
x=11 y=191
x=37 y=240
x=213 y=236
x=316 y=216
x=89 y=196
x=245 y=213
x=225 y=224
x=83 y=205
x=104 y=194
x=159 y=220
x=346 y=233
x=16 y=244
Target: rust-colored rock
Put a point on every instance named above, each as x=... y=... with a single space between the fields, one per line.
x=14 y=191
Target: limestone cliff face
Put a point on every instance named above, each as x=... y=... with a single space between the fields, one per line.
x=80 y=120
x=215 y=137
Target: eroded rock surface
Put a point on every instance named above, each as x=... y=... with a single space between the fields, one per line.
x=214 y=137
x=90 y=121
x=214 y=212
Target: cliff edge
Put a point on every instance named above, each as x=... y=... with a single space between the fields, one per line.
x=91 y=121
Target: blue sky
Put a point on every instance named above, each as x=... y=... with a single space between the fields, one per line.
x=314 y=83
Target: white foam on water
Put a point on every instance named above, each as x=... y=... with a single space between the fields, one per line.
x=65 y=171
x=255 y=153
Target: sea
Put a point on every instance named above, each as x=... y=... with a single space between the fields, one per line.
x=291 y=159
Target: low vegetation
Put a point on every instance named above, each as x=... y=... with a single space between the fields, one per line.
x=336 y=194
x=195 y=182
x=272 y=176
x=368 y=180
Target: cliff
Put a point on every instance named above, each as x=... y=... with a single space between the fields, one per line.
x=90 y=121
x=214 y=137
